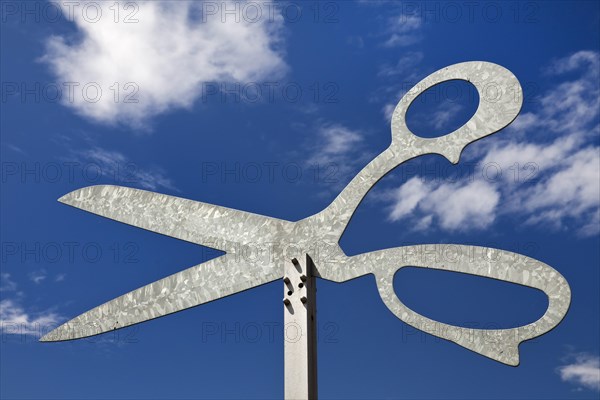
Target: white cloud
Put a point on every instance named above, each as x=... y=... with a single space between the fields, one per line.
x=116 y=165
x=388 y=111
x=15 y=320
x=572 y=107
x=400 y=30
x=405 y=66
x=38 y=276
x=407 y=197
x=456 y=206
x=585 y=371
x=544 y=155
x=337 y=141
x=60 y=277
x=572 y=192
x=403 y=30
x=523 y=122
x=168 y=55
x=356 y=41
x=574 y=61
x=15 y=148
x=459 y=206
x=6 y=284
x=565 y=190
x=441 y=117
x=337 y=152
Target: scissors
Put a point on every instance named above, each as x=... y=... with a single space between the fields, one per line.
x=234 y=232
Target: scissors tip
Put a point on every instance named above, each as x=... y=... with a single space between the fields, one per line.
x=64 y=199
x=69 y=197
x=57 y=334
x=80 y=194
x=69 y=331
x=49 y=337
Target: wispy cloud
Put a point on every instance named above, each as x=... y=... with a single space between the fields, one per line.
x=441 y=117
x=116 y=165
x=15 y=320
x=403 y=30
x=162 y=59
x=6 y=283
x=388 y=111
x=565 y=164
x=455 y=206
x=38 y=277
x=356 y=41
x=149 y=178
x=336 y=141
x=14 y=148
x=405 y=66
x=584 y=371
x=572 y=192
x=572 y=106
x=339 y=150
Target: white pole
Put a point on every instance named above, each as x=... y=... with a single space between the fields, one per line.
x=300 y=333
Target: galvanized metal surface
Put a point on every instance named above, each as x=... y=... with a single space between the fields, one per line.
x=273 y=242
x=300 y=329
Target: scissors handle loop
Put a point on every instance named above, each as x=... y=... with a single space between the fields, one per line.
x=498 y=344
x=500 y=100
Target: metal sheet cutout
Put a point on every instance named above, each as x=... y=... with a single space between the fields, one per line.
x=258 y=246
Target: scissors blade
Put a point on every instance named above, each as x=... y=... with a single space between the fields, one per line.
x=213 y=226
x=212 y=280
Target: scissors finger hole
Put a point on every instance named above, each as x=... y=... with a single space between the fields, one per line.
x=500 y=99
x=468 y=301
x=442 y=108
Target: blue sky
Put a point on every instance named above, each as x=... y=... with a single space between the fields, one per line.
x=274 y=114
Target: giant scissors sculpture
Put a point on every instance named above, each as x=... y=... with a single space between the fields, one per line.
x=230 y=230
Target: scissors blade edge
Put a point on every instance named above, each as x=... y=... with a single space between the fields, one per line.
x=200 y=284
